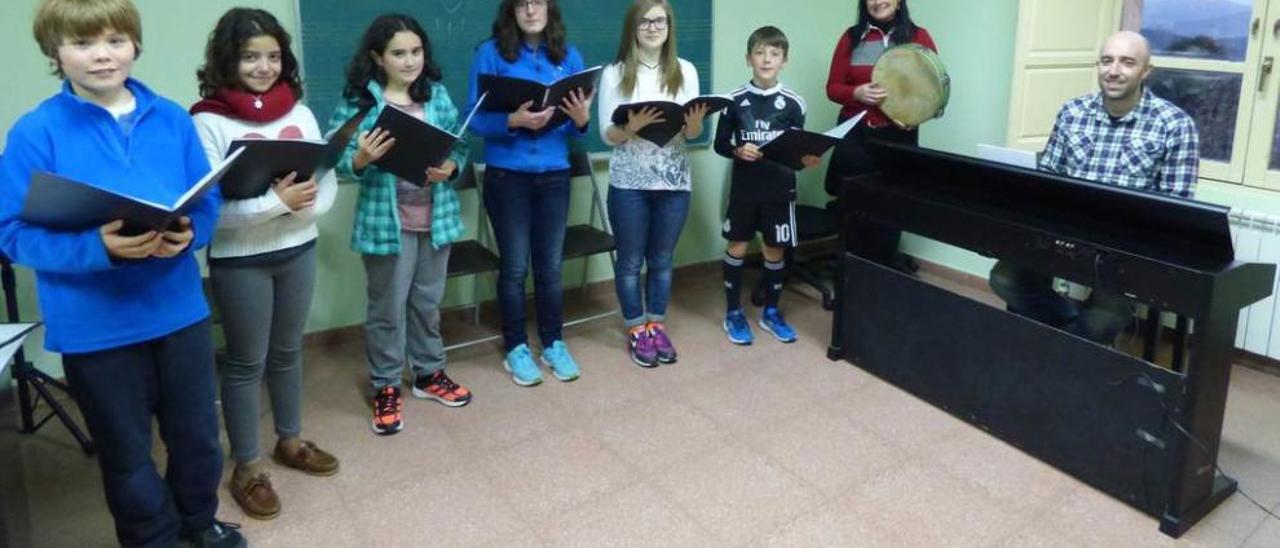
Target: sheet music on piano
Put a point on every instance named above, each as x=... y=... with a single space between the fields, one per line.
x=1005 y=155
x=11 y=337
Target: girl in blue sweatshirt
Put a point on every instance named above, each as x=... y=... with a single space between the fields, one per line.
x=526 y=182
x=127 y=312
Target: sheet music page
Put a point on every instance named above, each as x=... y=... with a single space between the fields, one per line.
x=465 y=123
x=209 y=178
x=843 y=129
x=11 y=337
x=1006 y=155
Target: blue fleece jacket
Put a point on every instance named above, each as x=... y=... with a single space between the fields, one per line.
x=522 y=150
x=89 y=302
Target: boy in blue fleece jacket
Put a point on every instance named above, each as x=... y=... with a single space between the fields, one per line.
x=127 y=312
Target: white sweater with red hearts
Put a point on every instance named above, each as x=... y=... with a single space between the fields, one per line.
x=263 y=224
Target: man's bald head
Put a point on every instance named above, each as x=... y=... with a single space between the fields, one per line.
x=1127 y=42
x=1124 y=63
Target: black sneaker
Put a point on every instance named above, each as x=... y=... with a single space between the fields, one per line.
x=219 y=535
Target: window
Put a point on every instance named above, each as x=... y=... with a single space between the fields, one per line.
x=1214 y=59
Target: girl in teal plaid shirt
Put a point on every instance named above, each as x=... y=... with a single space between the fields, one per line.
x=403 y=230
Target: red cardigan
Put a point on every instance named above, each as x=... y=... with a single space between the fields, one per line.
x=845 y=76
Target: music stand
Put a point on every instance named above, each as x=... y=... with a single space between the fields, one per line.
x=29 y=378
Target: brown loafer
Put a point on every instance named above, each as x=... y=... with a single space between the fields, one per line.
x=309 y=459
x=255 y=496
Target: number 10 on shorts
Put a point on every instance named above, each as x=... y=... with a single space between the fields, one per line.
x=782 y=233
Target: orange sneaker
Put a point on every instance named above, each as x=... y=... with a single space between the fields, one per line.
x=387 y=408
x=438 y=386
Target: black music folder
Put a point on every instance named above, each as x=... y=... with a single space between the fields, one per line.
x=265 y=160
x=59 y=203
x=506 y=94
x=419 y=145
x=793 y=144
x=672 y=115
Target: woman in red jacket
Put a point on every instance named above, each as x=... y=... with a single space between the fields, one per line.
x=881 y=25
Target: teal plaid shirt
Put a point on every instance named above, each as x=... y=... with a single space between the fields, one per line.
x=377 y=224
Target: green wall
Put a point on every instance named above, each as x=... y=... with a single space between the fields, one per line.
x=976 y=41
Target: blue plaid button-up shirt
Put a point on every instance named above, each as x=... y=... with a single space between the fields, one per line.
x=1155 y=147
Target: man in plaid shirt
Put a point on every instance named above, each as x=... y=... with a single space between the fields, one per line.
x=1125 y=136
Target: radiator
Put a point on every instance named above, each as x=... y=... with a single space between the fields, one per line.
x=1256 y=237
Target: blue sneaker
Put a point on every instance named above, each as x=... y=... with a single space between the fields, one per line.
x=520 y=364
x=561 y=363
x=738 y=328
x=773 y=322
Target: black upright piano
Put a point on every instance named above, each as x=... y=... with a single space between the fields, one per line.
x=1143 y=433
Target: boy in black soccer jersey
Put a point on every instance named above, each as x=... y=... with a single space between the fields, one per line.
x=762 y=193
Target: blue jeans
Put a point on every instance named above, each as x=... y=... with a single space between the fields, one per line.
x=528 y=212
x=646 y=226
x=1030 y=293
x=119 y=391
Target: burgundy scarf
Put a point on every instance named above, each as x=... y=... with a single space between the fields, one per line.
x=243 y=105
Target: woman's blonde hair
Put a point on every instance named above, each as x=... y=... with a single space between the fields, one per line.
x=668 y=61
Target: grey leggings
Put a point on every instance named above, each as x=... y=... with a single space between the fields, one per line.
x=264 y=309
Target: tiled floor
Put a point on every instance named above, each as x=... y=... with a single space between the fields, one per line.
x=768 y=445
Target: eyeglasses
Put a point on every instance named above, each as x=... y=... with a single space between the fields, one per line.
x=526 y=4
x=657 y=23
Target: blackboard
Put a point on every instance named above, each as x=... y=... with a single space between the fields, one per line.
x=332 y=28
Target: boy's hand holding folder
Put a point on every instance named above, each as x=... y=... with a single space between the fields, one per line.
x=749 y=152
x=799 y=149
x=128 y=224
x=173 y=242
x=120 y=246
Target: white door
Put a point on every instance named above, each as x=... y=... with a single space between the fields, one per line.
x=1055 y=60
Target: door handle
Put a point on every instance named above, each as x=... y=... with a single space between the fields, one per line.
x=1268 y=63
x=1253 y=29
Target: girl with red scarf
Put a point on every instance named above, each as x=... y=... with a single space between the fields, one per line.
x=263 y=259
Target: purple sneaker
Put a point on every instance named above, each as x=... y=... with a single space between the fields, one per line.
x=642 y=350
x=662 y=343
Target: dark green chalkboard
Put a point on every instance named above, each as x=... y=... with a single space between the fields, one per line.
x=331 y=29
